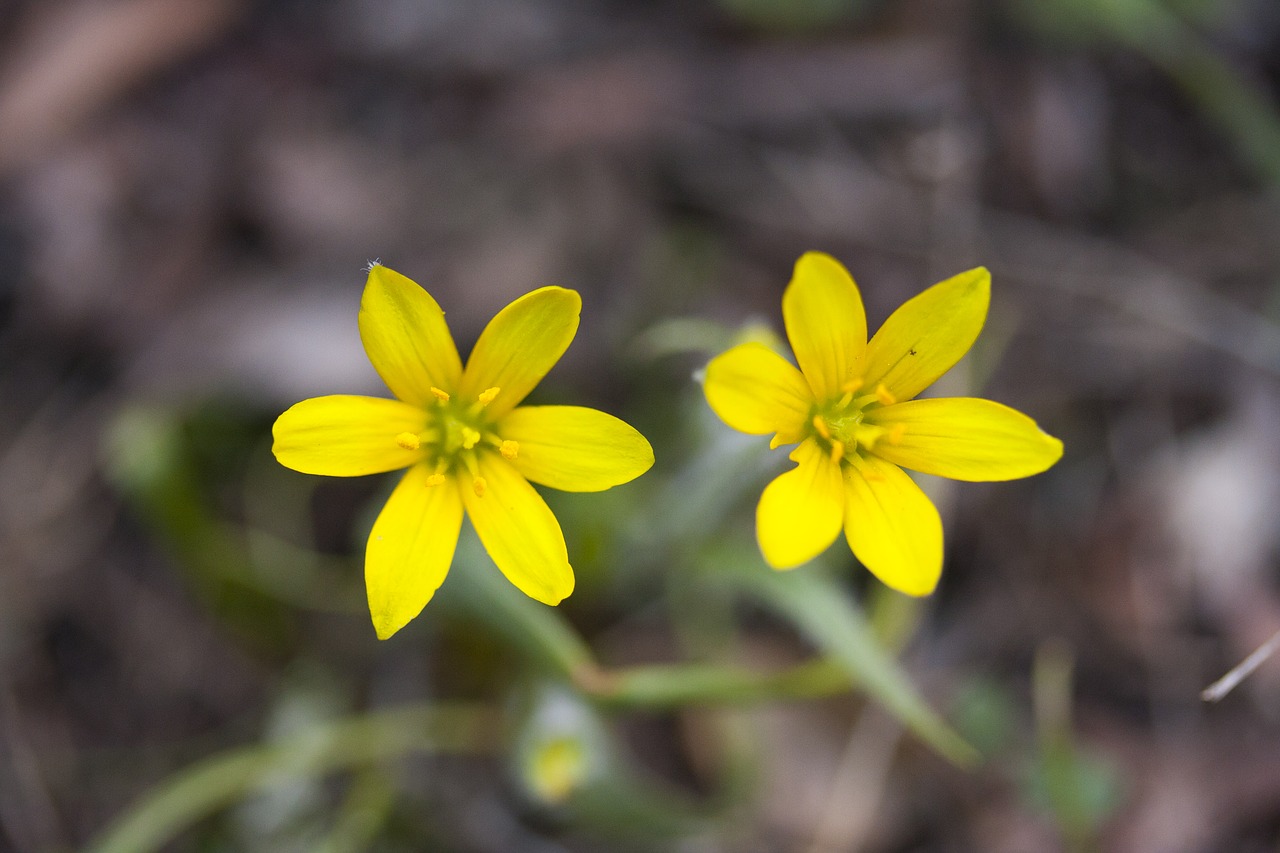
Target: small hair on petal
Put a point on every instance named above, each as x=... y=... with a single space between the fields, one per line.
x=369 y=265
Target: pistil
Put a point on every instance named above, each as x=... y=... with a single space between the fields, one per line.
x=839 y=427
x=455 y=433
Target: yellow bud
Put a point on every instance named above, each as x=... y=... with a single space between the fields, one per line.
x=557 y=768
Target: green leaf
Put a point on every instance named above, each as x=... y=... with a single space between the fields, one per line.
x=361 y=741
x=477 y=590
x=833 y=622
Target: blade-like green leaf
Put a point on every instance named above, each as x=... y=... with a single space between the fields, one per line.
x=222 y=779
x=832 y=621
x=477 y=590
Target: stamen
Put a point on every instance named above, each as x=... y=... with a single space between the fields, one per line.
x=865 y=400
x=438 y=477
x=896 y=433
x=408 y=441
x=487 y=395
x=852 y=385
x=883 y=395
x=837 y=450
x=470 y=438
x=442 y=396
x=469 y=462
x=479 y=485
x=509 y=450
x=821 y=426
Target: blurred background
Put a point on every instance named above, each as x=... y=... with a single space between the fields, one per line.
x=190 y=191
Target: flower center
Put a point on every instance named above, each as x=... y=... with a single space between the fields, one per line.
x=838 y=424
x=456 y=432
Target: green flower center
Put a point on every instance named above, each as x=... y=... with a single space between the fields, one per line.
x=456 y=431
x=839 y=425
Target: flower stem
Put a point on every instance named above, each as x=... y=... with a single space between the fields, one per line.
x=678 y=685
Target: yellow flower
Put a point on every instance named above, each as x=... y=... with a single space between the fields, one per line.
x=850 y=408
x=466 y=441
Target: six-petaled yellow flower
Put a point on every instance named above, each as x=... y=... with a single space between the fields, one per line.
x=466 y=440
x=851 y=410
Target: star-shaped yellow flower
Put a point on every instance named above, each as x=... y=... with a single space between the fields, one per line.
x=850 y=408
x=466 y=441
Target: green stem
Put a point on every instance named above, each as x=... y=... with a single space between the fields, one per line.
x=220 y=780
x=679 y=685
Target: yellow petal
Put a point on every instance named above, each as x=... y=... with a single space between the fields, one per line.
x=575 y=448
x=928 y=334
x=892 y=526
x=346 y=436
x=757 y=391
x=825 y=323
x=520 y=345
x=964 y=438
x=800 y=512
x=406 y=337
x=410 y=549
x=519 y=531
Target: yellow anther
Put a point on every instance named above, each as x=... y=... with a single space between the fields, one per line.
x=837 y=450
x=883 y=395
x=469 y=438
x=897 y=432
x=442 y=396
x=408 y=441
x=487 y=395
x=852 y=385
x=435 y=480
x=509 y=449
x=478 y=485
x=821 y=426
